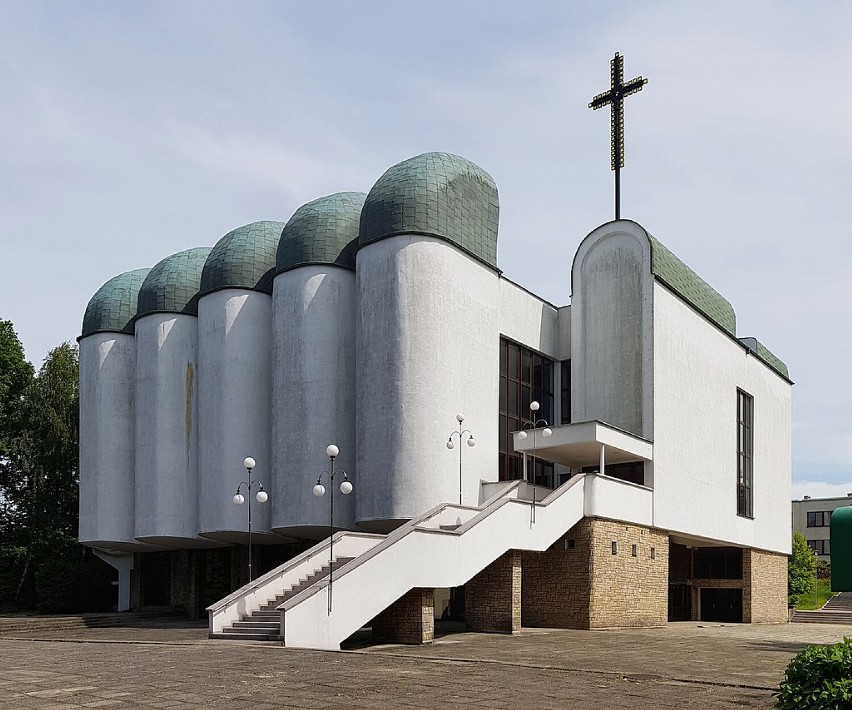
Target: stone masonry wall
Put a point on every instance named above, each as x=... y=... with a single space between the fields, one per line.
x=628 y=590
x=492 y=598
x=764 y=587
x=555 y=583
x=410 y=619
x=184 y=575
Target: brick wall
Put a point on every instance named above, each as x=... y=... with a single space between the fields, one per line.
x=410 y=619
x=492 y=600
x=627 y=590
x=764 y=587
x=184 y=574
x=579 y=583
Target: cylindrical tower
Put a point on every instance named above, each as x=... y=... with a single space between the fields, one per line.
x=427 y=337
x=107 y=415
x=313 y=394
x=234 y=380
x=166 y=409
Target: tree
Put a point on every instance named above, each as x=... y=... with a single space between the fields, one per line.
x=16 y=377
x=801 y=568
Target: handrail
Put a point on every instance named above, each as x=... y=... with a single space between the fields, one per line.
x=285 y=567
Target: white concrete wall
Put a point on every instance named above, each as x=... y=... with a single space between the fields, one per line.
x=697 y=370
x=166 y=428
x=427 y=348
x=529 y=320
x=611 y=329
x=107 y=439
x=234 y=404
x=313 y=396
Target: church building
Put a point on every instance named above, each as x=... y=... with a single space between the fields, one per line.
x=622 y=460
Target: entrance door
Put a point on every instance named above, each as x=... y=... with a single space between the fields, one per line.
x=722 y=605
x=156 y=578
x=680 y=602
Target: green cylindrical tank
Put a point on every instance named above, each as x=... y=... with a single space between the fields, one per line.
x=841 y=549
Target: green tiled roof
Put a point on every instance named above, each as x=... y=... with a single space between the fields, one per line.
x=691 y=287
x=437 y=194
x=243 y=258
x=766 y=355
x=113 y=307
x=324 y=231
x=172 y=285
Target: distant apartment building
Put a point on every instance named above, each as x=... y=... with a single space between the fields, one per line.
x=812 y=518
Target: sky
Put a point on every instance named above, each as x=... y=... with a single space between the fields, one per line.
x=133 y=130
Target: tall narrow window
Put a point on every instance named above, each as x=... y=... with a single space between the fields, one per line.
x=525 y=376
x=745 y=451
x=566 y=391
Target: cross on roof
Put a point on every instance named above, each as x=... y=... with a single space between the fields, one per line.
x=615 y=99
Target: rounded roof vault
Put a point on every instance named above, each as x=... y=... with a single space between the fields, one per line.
x=113 y=306
x=323 y=231
x=243 y=258
x=172 y=285
x=435 y=194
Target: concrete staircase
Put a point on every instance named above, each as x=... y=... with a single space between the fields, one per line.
x=51 y=623
x=264 y=623
x=837 y=610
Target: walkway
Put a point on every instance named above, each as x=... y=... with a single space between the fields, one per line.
x=695 y=665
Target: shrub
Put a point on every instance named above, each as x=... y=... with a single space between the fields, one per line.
x=818 y=678
x=57 y=583
x=823 y=569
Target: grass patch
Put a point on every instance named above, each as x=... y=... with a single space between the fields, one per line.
x=808 y=602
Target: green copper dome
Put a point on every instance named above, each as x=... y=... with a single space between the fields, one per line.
x=113 y=307
x=671 y=271
x=243 y=258
x=436 y=194
x=324 y=231
x=172 y=285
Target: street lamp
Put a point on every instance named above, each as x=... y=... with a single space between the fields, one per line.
x=533 y=423
x=451 y=445
x=261 y=496
x=319 y=490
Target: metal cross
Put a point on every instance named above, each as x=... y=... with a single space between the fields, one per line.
x=615 y=98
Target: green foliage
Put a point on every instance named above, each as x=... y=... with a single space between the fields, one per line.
x=816 y=600
x=818 y=678
x=57 y=583
x=801 y=569
x=823 y=569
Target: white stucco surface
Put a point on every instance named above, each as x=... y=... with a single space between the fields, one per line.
x=166 y=429
x=313 y=397
x=697 y=370
x=107 y=440
x=527 y=319
x=611 y=329
x=234 y=403
x=427 y=348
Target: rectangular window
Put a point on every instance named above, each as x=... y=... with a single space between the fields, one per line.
x=819 y=519
x=821 y=547
x=717 y=563
x=565 y=391
x=745 y=450
x=525 y=376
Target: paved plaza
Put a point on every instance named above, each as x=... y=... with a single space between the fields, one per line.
x=176 y=666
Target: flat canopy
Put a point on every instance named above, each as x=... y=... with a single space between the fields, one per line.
x=580 y=444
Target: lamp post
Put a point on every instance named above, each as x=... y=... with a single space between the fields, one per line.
x=319 y=490
x=532 y=423
x=262 y=496
x=450 y=445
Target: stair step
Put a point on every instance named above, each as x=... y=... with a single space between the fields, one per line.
x=251 y=624
x=247 y=636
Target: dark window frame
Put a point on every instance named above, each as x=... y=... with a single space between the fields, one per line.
x=820 y=547
x=819 y=519
x=745 y=454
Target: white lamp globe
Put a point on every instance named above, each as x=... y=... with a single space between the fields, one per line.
x=332 y=450
x=459 y=417
x=319 y=489
x=522 y=435
x=450 y=444
x=262 y=496
x=249 y=462
x=346 y=488
x=534 y=406
x=239 y=499
x=547 y=432
x=471 y=442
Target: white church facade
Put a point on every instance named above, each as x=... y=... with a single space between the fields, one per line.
x=660 y=492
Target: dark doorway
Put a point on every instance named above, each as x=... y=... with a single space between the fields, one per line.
x=156 y=578
x=722 y=605
x=680 y=602
x=215 y=570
